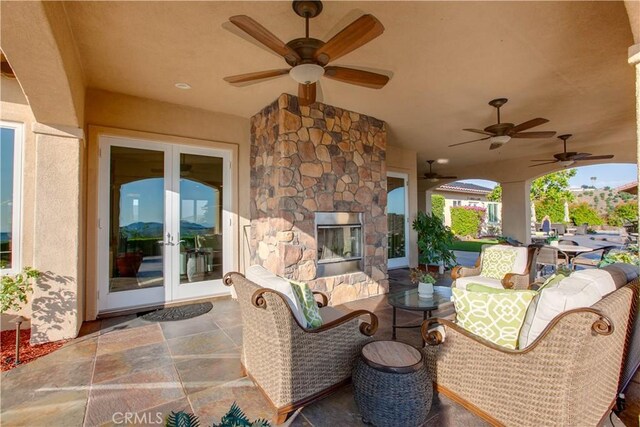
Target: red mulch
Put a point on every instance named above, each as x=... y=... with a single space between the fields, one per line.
x=28 y=352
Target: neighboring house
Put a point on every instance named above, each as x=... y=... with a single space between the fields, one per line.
x=466 y=194
x=631 y=188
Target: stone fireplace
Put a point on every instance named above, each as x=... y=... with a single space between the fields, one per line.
x=319 y=197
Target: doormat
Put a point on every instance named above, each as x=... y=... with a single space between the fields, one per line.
x=177 y=313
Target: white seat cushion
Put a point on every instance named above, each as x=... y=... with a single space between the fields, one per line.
x=462 y=282
x=263 y=277
x=576 y=291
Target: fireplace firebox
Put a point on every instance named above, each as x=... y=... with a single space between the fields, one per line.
x=339 y=243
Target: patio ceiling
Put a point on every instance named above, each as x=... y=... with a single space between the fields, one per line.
x=565 y=61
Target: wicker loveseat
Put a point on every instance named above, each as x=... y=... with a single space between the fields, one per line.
x=292 y=365
x=570 y=375
x=518 y=278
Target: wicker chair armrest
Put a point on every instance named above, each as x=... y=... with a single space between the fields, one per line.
x=515 y=281
x=603 y=325
x=323 y=297
x=368 y=329
x=461 y=271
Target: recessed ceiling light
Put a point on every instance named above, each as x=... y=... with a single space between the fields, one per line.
x=183 y=86
x=442 y=161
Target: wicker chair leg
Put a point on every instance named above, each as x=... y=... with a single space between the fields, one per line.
x=281 y=416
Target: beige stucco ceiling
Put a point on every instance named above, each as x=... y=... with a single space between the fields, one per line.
x=565 y=61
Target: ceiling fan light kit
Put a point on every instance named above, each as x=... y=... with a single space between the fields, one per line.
x=433 y=176
x=500 y=139
x=309 y=57
x=306 y=73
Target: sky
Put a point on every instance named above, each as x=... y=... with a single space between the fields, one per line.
x=608 y=175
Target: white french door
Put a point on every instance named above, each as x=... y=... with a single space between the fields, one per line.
x=397 y=220
x=164 y=231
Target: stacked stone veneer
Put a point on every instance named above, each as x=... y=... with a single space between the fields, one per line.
x=310 y=159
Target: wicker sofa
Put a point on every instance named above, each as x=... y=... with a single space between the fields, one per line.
x=570 y=375
x=292 y=365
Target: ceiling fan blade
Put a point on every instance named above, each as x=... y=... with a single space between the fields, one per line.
x=447 y=177
x=264 y=36
x=543 y=160
x=484 y=132
x=358 y=33
x=468 y=142
x=545 y=163
x=603 y=157
x=547 y=134
x=356 y=77
x=528 y=125
x=307 y=93
x=243 y=78
x=578 y=156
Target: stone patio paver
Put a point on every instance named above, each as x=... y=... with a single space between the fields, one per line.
x=128 y=364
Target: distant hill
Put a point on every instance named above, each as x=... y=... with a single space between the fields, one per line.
x=603 y=200
x=156 y=229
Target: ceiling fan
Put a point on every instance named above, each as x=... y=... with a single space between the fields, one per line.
x=309 y=56
x=501 y=133
x=568 y=158
x=433 y=176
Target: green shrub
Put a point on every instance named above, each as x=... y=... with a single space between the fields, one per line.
x=584 y=214
x=467 y=220
x=437 y=206
x=552 y=208
x=623 y=214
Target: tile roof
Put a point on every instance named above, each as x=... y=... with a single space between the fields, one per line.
x=464 y=187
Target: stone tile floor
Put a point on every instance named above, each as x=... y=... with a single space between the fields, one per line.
x=128 y=365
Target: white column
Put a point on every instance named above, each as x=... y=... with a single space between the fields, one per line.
x=428 y=208
x=57 y=301
x=516 y=210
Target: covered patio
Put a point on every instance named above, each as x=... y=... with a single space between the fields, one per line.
x=141 y=176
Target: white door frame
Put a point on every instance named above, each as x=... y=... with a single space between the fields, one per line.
x=171 y=289
x=403 y=261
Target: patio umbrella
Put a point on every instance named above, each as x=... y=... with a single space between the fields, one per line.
x=566 y=211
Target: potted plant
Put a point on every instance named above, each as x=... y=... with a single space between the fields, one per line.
x=553 y=240
x=425 y=282
x=434 y=241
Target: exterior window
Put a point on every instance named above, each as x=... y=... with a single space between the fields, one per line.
x=10 y=195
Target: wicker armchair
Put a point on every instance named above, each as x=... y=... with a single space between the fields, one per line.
x=520 y=279
x=292 y=365
x=568 y=376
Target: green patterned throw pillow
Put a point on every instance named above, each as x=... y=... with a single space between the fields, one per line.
x=307 y=304
x=497 y=261
x=496 y=317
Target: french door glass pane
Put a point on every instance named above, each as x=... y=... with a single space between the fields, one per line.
x=200 y=218
x=137 y=212
x=7 y=140
x=396 y=217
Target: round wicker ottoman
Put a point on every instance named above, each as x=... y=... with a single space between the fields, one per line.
x=391 y=385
